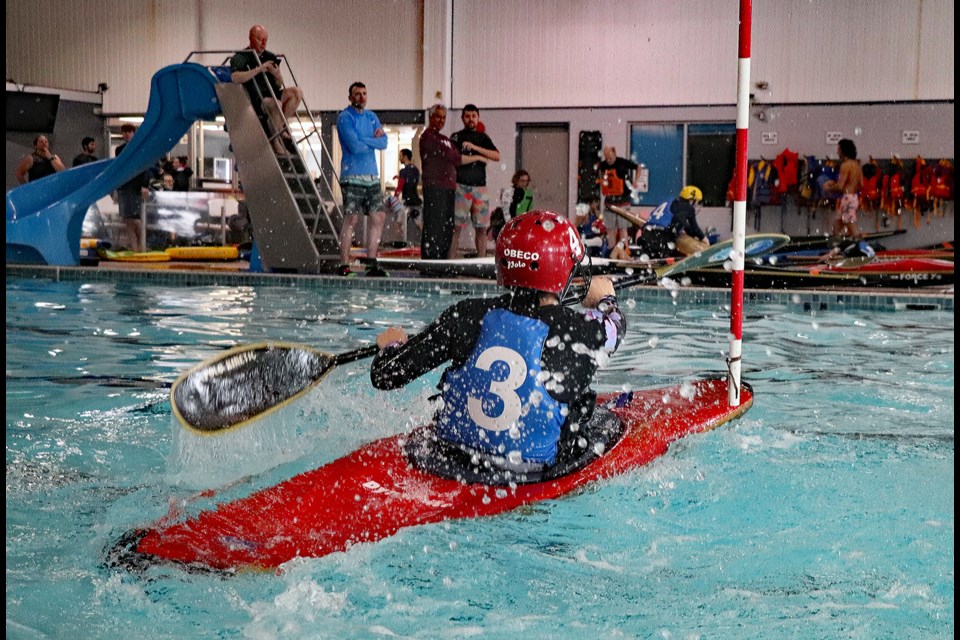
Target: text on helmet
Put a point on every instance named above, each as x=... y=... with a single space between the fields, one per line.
x=523 y=255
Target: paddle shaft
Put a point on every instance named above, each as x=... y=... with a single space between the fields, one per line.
x=356 y=354
x=204 y=398
x=626 y=215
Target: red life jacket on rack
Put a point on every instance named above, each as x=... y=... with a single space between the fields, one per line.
x=870 y=190
x=893 y=181
x=922 y=179
x=942 y=186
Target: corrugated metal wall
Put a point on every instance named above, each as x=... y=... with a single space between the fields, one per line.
x=79 y=44
x=506 y=53
x=544 y=53
x=332 y=44
x=577 y=53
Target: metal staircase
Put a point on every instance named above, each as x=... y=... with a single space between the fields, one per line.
x=292 y=226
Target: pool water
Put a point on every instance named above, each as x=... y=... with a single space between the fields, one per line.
x=827 y=511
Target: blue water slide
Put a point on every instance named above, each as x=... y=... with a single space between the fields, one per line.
x=45 y=217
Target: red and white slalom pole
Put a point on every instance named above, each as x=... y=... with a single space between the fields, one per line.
x=739 y=205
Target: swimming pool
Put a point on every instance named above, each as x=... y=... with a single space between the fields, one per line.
x=825 y=512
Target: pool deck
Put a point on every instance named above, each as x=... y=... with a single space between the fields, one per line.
x=237 y=273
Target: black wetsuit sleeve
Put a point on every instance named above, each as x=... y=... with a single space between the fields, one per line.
x=575 y=344
x=399 y=365
x=448 y=338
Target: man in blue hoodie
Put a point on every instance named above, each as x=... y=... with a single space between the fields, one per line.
x=360 y=135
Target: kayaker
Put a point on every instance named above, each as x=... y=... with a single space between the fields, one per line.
x=516 y=403
x=674 y=224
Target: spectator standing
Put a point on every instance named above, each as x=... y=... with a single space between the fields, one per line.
x=130 y=196
x=439 y=158
x=472 y=203
x=89 y=146
x=181 y=174
x=40 y=163
x=409 y=182
x=521 y=199
x=614 y=174
x=361 y=134
x=848 y=184
x=514 y=201
x=259 y=71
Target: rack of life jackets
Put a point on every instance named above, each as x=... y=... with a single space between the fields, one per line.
x=891 y=187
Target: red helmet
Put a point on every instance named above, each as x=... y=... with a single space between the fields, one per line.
x=539 y=250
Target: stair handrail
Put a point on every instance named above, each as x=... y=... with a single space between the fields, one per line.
x=314 y=129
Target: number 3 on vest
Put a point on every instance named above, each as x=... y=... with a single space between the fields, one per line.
x=503 y=389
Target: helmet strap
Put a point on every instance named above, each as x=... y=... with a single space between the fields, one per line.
x=579 y=271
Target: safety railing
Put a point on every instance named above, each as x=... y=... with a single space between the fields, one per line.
x=308 y=127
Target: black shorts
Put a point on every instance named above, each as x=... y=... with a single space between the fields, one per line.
x=129 y=203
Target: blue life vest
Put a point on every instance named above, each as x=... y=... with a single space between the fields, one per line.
x=661 y=217
x=497 y=402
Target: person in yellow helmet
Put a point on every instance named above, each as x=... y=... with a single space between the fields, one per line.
x=674 y=225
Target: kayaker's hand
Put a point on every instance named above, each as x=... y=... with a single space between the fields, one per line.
x=391 y=336
x=600 y=288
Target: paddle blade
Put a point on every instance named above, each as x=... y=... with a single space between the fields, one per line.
x=754 y=245
x=245 y=383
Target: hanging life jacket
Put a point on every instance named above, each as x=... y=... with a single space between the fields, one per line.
x=870 y=189
x=805 y=190
x=941 y=187
x=922 y=179
x=826 y=174
x=788 y=171
x=762 y=180
x=894 y=182
x=496 y=403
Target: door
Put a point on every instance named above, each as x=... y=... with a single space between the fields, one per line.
x=544 y=151
x=660 y=148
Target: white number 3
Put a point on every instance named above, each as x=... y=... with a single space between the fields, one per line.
x=503 y=389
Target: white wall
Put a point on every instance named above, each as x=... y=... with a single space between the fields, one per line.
x=505 y=53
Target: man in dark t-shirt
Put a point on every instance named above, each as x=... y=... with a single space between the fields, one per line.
x=409 y=180
x=614 y=175
x=89 y=146
x=473 y=202
x=259 y=71
x=130 y=197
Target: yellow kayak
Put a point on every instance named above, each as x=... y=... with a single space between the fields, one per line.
x=203 y=253
x=134 y=256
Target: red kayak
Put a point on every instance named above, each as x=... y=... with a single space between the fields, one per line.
x=374 y=492
x=892 y=265
x=941 y=254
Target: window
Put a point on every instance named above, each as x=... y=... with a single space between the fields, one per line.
x=680 y=154
x=710 y=160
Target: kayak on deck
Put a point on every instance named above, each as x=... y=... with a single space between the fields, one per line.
x=226 y=252
x=852 y=272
